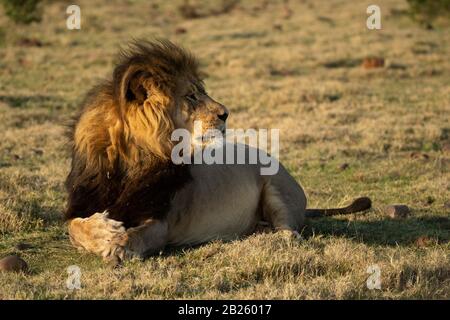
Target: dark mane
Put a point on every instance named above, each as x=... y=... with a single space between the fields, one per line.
x=131 y=200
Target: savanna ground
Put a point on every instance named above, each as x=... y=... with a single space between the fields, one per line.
x=296 y=68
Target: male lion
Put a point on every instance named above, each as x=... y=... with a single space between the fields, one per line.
x=126 y=196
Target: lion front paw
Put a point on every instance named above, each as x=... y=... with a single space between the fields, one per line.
x=100 y=235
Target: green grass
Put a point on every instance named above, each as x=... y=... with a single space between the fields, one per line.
x=300 y=74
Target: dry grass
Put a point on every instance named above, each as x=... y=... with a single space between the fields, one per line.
x=295 y=67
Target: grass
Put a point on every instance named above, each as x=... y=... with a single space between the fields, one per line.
x=299 y=72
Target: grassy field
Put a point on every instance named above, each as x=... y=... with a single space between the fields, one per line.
x=346 y=131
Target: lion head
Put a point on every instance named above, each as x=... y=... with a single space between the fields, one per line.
x=158 y=89
x=122 y=137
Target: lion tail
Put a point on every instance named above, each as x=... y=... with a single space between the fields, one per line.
x=358 y=205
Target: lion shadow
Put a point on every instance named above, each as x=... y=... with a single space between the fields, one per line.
x=386 y=231
x=420 y=231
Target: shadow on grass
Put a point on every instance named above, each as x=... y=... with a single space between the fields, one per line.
x=384 y=232
x=419 y=231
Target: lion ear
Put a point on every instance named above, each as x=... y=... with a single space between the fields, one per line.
x=136 y=90
x=134 y=86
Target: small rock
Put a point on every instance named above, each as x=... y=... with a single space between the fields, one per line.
x=23 y=246
x=397 y=211
x=180 y=30
x=373 y=62
x=344 y=166
x=13 y=263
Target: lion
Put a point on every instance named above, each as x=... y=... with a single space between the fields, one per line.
x=127 y=198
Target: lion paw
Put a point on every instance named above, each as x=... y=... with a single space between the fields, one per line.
x=100 y=235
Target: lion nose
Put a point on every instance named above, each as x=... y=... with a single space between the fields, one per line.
x=223 y=116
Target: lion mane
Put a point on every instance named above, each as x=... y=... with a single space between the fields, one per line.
x=120 y=140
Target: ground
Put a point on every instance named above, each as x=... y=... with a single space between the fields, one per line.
x=345 y=131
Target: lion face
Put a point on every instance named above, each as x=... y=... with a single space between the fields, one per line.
x=197 y=112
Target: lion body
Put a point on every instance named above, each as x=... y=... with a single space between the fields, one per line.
x=227 y=201
x=126 y=196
